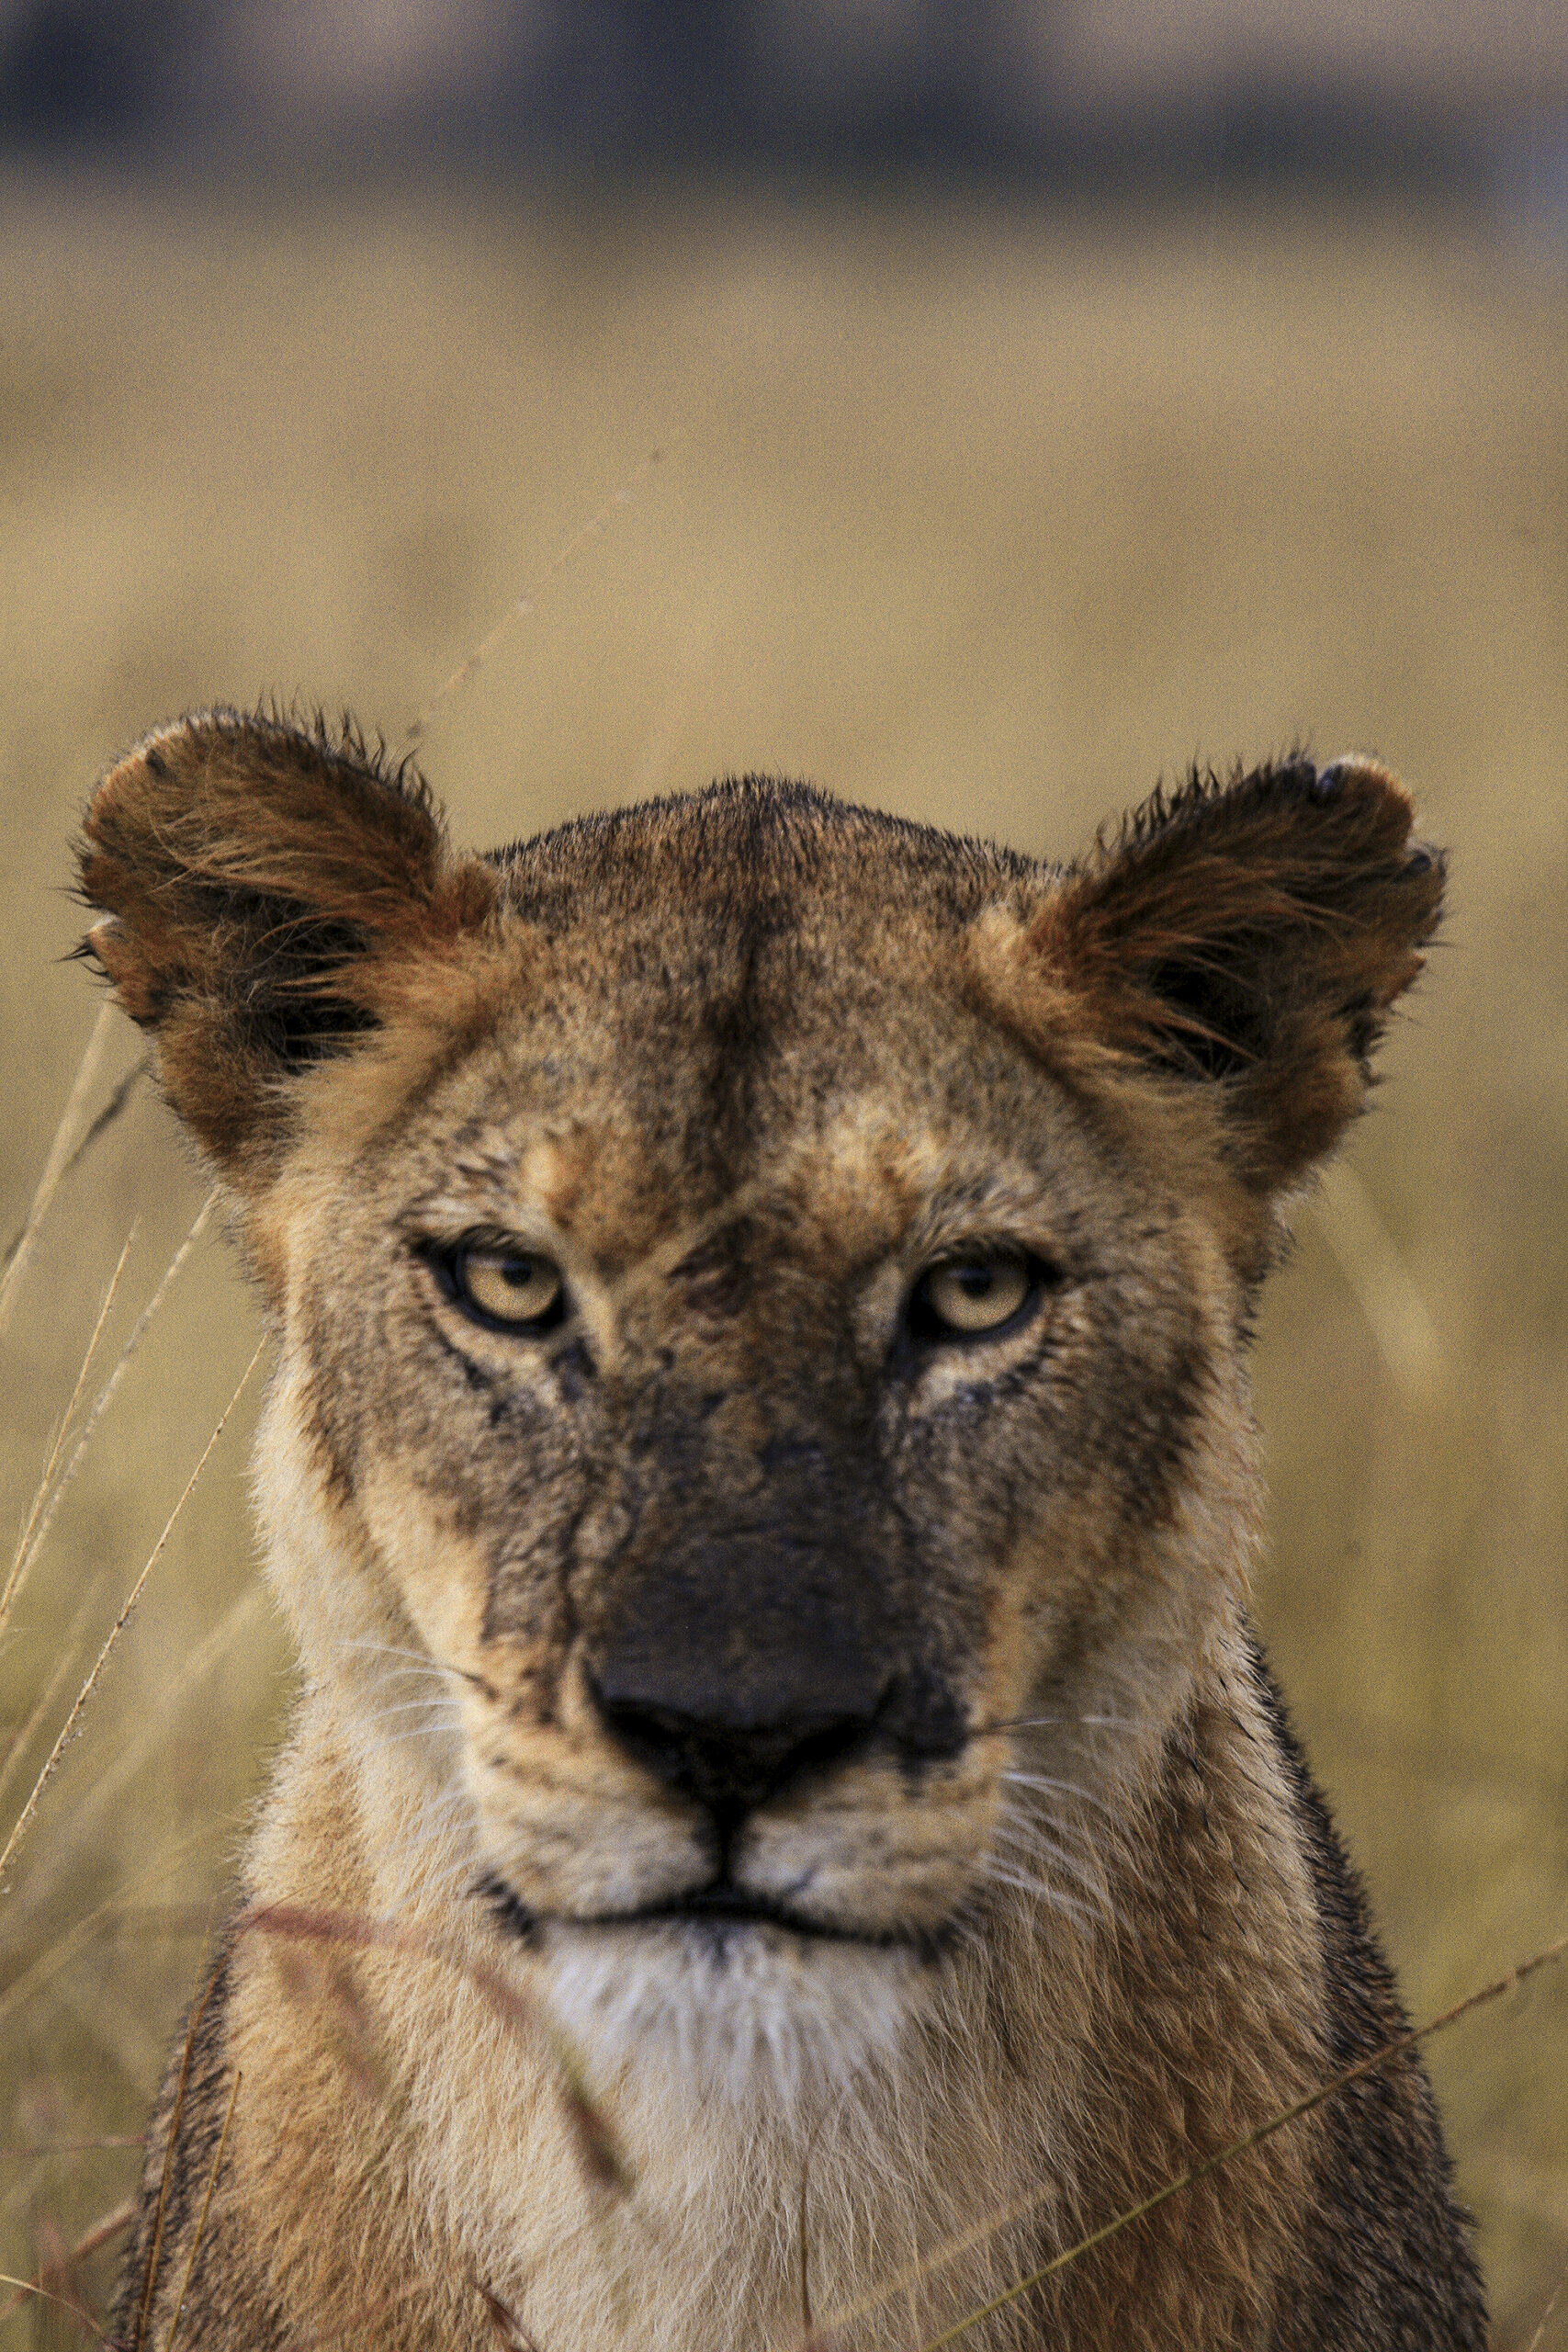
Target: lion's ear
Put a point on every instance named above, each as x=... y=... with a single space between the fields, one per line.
x=262 y=886
x=1252 y=938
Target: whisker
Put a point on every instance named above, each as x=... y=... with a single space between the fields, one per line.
x=1050 y=1896
x=441 y=1674
x=1061 y=1788
x=390 y=1649
x=435 y=1811
x=380 y=1725
x=1033 y=1840
x=421 y=1661
x=1018 y=1818
x=418 y=1731
x=413 y=1707
x=1092 y=1900
x=1038 y=1723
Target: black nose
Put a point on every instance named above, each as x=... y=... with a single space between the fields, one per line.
x=726 y=1763
x=734 y=1659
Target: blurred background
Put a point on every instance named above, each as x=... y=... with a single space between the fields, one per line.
x=1046 y=396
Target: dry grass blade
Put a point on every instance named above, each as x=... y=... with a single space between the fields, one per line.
x=1384 y=1288
x=59 y=1158
x=105 y=1398
x=525 y=604
x=44 y=1972
x=104 y=1119
x=112 y=2225
x=19 y=1739
x=91 y=1684
x=201 y=2217
x=1539 y=2338
x=113 y=1775
x=504 y=2320
x=23 y=1557
x=598 y=2150
x=150 y=2276
x=28 y=2290
x=27 y=2154
x=1124 y=2221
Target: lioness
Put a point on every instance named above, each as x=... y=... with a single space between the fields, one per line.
x=787 y=1826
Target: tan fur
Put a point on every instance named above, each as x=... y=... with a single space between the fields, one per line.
x=742 y=1067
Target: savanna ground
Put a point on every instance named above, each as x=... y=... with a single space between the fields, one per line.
x=990 y=519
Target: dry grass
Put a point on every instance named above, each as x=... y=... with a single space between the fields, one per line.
x=990 y=521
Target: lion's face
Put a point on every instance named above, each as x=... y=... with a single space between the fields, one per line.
x=756 y=1380
x=761 y=1289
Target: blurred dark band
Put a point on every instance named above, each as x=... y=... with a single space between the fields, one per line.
x=1013 y=93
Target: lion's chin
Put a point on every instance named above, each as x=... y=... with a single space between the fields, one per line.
x=732 y=2008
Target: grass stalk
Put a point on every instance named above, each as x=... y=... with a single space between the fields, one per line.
x=1382 y=1284
x=20 y=1739
x=102 y=2232
x=85 y=1695
x=59 y=1158
x=150 y=2276
x=43 y=1973
x=28 y=2290
x=597 y=2148
x=1371 y=2064
x=101 y=1403
x=201 y=2217
x=116 y=1771
x=1539 y=2338
x=23 y=1558
x=522 y=606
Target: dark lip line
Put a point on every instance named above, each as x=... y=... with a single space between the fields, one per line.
x=716 y=1908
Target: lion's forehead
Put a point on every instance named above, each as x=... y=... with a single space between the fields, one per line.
x=627 y=1107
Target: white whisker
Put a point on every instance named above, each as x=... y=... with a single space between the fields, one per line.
x=412 y=1673
x=1030 y=1839
x=1095 y=1723
x=416 y=1706
x=387 y=1649
x=417 y=1731
x=1051 y=1895
x=420 y=1662
x=435 y=1810
x=1061 y=1788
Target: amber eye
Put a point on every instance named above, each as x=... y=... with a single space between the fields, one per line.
x=963 y=1298
x=506 y=1286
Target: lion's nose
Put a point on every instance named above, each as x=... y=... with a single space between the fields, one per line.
x=729 y=1765
x=732 y=1662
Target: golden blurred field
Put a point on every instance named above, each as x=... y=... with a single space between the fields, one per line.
x=986 y=517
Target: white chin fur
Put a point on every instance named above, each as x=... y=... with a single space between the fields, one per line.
x=727 y=2010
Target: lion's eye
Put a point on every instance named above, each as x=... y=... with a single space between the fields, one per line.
x=514 y=1287
x=965 y=1297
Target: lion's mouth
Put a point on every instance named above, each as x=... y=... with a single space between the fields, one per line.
x=722 y=1908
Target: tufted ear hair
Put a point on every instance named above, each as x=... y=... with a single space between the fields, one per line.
x=263 y=884
x=1251 y=937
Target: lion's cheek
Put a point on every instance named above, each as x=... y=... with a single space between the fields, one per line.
x=441 y=1574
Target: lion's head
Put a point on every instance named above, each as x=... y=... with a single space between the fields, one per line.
x=761 y=1440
